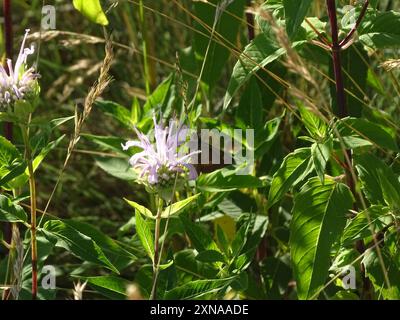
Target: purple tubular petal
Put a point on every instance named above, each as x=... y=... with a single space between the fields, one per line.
x=130 y=144
x=192 y=171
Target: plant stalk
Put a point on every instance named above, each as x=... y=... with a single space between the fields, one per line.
x=250 y=22
x=156 y=261
x=336 y=58
x=8 y=127
x=337 y=47
x=8 y=39
x=146 y=64
x=32 y=190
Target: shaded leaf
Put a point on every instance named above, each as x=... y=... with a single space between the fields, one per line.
x=373 y=269
x=77 y=243
x=198 y=289
x=295 y=167
x=117 y=167
x=295 y=12
x=360 y=227
x=319 y=217
x=11 y=212
x=145 y=235
x=109 y=286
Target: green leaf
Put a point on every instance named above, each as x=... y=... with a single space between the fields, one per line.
x=319 y=217
x=165 y=266
x=369 y=131
x=343 y=259
x=77 y=243
x=227 y=27
x=23 y=178
x=277 y=274
x=54 y=123
x=117 y=111
x=295 y=12
x=222 y=239
x=250 y=110
x=210 y=256
x=372 y=171
x=314 y=124
x=360 y=227
x=266 y=137
x=198 y=289
x=239 y=241
x=355 y=64
x=186 y=262
x=260 y=52
x=45 y=151
x=345 y=295
x=373 y=269
x=141 y=209
x=178 y=207
x=390 y=193
x=107 y=143
x=117 y=255
x=10 y=173
x=8 y=152
x=117 y=167
x=200 y=239
x=381 y=30
x=321 y=153
x=92 y=10
x=354 y=142
x=145 y=235
x=159 y=98
x=295 y=168
x=11 y=212
x=226 y=180
x=109 y=286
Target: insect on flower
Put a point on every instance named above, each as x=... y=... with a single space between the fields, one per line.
x=160 y=163
x=18 y=81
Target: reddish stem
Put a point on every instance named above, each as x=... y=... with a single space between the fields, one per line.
x=8 y=127
x=354 y=29
x=343 y=111
x=336 y=56
x=250 y=23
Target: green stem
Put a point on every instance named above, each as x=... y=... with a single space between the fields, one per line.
x=144 y=44
x=32 y=190
x=156 y=261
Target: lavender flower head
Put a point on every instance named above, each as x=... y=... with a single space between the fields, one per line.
x=159 y=163
x=19 y=81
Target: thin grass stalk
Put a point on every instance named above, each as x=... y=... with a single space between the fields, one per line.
x=156 y=260
x=144 y=45
x=32 y=191
x=96 y=90
x=8 y=127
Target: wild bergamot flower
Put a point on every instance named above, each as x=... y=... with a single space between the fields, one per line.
x=18 y=81
x=161 y=162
